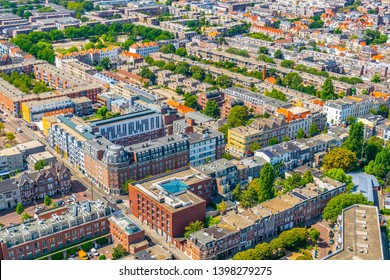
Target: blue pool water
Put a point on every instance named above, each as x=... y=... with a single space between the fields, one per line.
x=175 y=186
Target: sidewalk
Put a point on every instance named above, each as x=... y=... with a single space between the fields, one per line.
x=160 y=240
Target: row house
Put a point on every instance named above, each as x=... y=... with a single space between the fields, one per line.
x=91 y=56
x=246 y=228
x=301 y=118
x=144 y=49
x=213 y=243
x=298 y=152
x=260 y=131
x=49 y=181
x=227 y=174
x=258 y=102
x=54 y=229
x=337 y=111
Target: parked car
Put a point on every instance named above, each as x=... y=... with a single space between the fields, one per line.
x=94 y=252
x=39 y=209
x=83 y=255
x=118 y=201
x=331 y=234
x=59 y=203
x=70 y=200
x=70 y=259
x=331 y=241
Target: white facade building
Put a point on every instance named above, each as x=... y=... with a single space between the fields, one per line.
x=144 y=49
x=338 y=111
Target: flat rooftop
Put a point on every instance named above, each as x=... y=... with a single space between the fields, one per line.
x=125 y=223
x=172 y=190
x=42 y=156
x=361 y=236
x=29 y=145
x=56 y=219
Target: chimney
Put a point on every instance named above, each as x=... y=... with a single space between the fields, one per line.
x=264 y=71
x=190 y=121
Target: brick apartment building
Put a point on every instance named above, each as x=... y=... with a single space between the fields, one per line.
x=110 y=165
x=204 y=97
x=125 y=232
x=213 y=243
x=53 y=230
x=169 y=203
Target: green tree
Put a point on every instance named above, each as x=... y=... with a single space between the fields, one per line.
x=19 y=208
x=237 y=192
x=307 y=178
x=102 y=112
x=380 y=167
x=266 y=182
x=10 y=137
x=224 y=81
x=301 y=133
x=285 y=138
x=313 y=129
x=193 y=227
x=238 y=116
x=211 y=109
x=182 y=68
x=278 y=54
x=47 y=200
x=191 y=101
x=287 y=63
x=383 y=111
x=105 y=63
x=340 y=158
x=294 y=238
x=372 y=147
x=376 y=78
x=179 y=90
x=40 y=164
x=222 y=207
x=181 y=52
x=273 y=141
x=56 y=34
x=355 y=139
x=277 y=94
x=102 y=257
x=118 y=252
x=351 y=120
x=327 y=92
x=146 y=73
x=254 y=147
x=26 y=216
x=314 y=234
x=263 y=50
x=168 y=48
x=335 y=206
x=2 y=126
x=250 y=196
x=169 y=66
x=126 y=184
